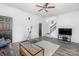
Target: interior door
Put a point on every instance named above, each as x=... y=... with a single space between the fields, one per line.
x=6 y=26
x=40 y=29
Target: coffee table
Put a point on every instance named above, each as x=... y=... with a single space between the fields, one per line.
x=30 y=49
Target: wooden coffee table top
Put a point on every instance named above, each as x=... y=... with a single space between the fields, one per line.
x=32 y=48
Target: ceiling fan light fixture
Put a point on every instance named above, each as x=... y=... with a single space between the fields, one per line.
x=44 y=7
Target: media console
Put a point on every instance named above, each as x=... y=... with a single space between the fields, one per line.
x=64 y=34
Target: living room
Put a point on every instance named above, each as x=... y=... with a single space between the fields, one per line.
x=27 y=19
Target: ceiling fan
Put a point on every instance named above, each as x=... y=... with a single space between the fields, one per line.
x=45 y=7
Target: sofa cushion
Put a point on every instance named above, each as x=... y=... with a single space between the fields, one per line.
x=3 y=42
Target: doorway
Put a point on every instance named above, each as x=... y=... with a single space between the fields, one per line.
x=40 y=29
x=6 y=27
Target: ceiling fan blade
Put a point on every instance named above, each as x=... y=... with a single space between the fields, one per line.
x=46 y=10
x=39 y=6
x=51 y=7
x=46 y=4
x=40 y=10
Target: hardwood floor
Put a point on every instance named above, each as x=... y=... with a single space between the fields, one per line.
x=65 y=49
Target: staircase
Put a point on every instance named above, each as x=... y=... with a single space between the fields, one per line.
x=52 y=29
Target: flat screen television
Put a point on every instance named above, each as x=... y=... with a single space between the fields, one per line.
x=65 y=31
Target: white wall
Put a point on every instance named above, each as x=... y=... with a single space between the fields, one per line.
x=20 y=22
x=70 y=20
x=67 y=20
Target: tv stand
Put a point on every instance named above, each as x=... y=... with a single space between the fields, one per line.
x=66 y=38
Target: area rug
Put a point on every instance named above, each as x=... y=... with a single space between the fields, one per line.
x=49 y=48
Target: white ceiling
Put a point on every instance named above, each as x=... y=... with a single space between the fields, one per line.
x=59 y=9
